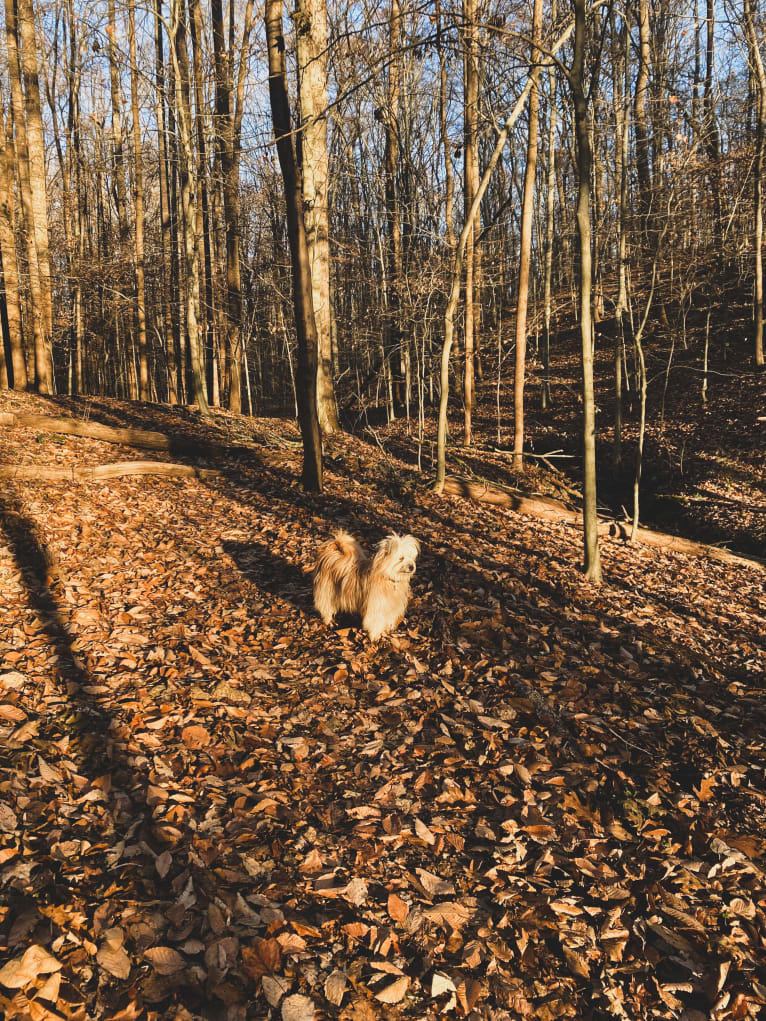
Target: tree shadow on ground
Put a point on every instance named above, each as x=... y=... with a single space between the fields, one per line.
x=272 y=574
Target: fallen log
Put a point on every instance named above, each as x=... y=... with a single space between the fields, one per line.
x=553 y=510
x=88 y=473
x=142 y=438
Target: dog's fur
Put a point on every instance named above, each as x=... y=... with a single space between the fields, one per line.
x=377 y=588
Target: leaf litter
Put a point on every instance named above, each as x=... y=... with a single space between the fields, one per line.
x=535 y=799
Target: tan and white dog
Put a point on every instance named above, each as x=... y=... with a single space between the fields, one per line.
x=377 y=588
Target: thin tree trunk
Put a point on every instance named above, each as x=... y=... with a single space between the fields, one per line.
x=756 y=62
x=584 y=164
x=36 y=143
x=138 y=199
x=712 y=136
x=393 y=332
x=42 y=360
x=117 y=146
x=621 y=92
x=449 y=183
x=550 y=199
x=525 y=254
x=188 y=201
x=203 y=230
x=471 y=180
x=301 y=269
x=228 y=134
x=170 y=340
x=17 y=376
x=311 y=35
x=642 y=133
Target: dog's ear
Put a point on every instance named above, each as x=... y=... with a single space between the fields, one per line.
x=385 y=546
x=412 y=545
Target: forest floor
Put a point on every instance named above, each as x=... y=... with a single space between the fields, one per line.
x=536 y=798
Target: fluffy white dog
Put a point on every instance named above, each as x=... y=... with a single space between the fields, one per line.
x=377 y=588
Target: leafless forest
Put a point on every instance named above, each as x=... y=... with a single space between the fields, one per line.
x=485 y=272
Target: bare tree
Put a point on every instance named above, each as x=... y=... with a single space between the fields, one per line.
x=17 y=377
x=188 y=197
x=756 y=62
x=138 y=205
x=470 y=185
x=525 y=251
x=578 y=86
x=301 y=268
x=30 y=204
x=311 y=35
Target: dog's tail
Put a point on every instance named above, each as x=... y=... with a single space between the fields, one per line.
x=342 y=548
x=346 y=544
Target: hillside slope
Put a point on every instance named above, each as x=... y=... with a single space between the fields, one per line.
x=535 y=799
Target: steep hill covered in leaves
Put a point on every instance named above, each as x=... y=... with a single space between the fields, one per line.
x=535 y=799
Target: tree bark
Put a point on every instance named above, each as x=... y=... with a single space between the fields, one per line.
x=228 y=134
x=392 y=342
x=577 y=81
x=204 y=227
x=301 y=269
x=188 y=200
x=311 y=36
x=16 y=363
x=169 y=319
x=471 y=179
x=550 y=201
x=37 y=180
x=42 y=357
x=525 y=253
x=639 y=104
x=138 y=199
x=756 y=62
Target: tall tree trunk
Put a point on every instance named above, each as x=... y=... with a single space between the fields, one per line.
x=621 y=92
x=756 y=62
x=138 y=199
x=640 y=117
x=204 y=229
x=75 y=203
x=301 y=270
x=188 y=200
x=392 y=343
x=169 y=320
x=550 y=205
x=311 y=35
x=577 y=81
x=43 y=362
x=471 y=180
x=17 y=369
x=449 y=183
x=712 y=136
x=525 y=254
x=117 y=142
x=36 y=143
x=228 y=134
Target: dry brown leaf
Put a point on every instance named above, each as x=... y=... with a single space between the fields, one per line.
x=298 y=1008
x=397 y=908
x=195 y=736
x=395 y=992
x=34 y=962
x=274 y=988
x=165 y=960
x=263 y=958
x=335 y=987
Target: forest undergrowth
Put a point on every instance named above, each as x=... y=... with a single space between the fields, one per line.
x=536 y=798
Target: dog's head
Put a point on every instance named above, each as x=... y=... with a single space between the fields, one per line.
x=395 y=556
